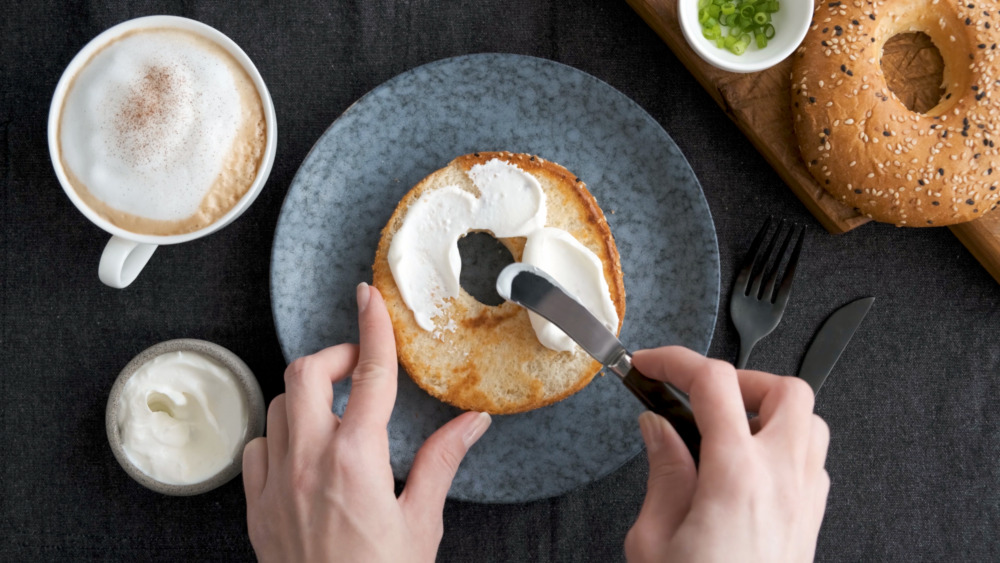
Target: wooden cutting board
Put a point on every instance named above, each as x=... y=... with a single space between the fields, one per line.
x=759 y=103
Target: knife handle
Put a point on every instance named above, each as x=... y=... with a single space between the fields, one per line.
x=669 y=402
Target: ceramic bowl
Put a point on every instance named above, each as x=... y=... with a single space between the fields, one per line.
x=245 y=381
x=791 y=22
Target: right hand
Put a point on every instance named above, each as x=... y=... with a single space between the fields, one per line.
x=756 y=495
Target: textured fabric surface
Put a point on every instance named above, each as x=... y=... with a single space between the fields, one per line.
x=915 y=449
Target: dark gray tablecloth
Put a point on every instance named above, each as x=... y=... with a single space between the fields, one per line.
x=915 y=449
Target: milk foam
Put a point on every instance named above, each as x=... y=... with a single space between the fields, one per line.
x=162 y=131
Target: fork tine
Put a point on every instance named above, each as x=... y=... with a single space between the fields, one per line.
x=786 y=281
x=772 y=275
x=742 y=280
x=765 y=257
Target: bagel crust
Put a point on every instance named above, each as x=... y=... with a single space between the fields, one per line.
x=492 y=360
x=865 y=147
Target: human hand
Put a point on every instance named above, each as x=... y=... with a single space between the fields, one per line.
x=320 y=488
x=760 y=488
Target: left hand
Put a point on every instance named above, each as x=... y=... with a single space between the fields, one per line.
x=320 y=487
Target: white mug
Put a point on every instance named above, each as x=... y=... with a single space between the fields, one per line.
x=127 y=253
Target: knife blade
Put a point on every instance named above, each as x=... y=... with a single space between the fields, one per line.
x=830 y=341
x=533 y=289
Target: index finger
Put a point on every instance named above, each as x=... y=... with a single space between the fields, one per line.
x=309 y=390
x=373 y=384
x=712 y=386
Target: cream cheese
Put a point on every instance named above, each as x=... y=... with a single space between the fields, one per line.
x=181 y=418
x=426 y=264
x=579 y=271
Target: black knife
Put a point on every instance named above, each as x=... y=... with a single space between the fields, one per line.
x=533 y=289
x=830 y=341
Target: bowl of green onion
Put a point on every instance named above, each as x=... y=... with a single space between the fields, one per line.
x=744 y=35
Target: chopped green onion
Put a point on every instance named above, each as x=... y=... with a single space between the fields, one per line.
x=736 y=24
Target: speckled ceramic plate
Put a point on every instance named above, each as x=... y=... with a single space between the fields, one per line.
x=348 y=186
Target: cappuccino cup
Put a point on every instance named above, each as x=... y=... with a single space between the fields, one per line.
x=161 y=131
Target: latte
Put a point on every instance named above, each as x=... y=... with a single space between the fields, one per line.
x=162 y=132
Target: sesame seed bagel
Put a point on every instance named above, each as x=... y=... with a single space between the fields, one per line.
x=489 y=358
x=865 y=147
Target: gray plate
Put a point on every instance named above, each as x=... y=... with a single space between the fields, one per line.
x=415 y=123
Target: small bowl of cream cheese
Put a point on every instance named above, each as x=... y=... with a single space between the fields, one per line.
x=180 y=414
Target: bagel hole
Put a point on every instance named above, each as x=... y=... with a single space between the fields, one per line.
x=914 y=70
x=483 y=256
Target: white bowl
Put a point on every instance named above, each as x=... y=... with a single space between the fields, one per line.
x=791 y=22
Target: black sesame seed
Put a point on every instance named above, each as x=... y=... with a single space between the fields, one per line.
x=871 y=17
x=477 y=154
x=850 y=73
x=970 y=6
x=814 y=162
x=839 y=30
x=989 y=171
x=812 y=100
x=975 y=155
x=825 y=29
x=929 y=222
x=833 y=4
x=947 y=96
x=968 y=21
x=934 y=126
x=921 y=182
x=993 y=188
x=857 y=191
x=843 y=68
x=981 y=45
x=986 y=142
x=824 y=43
x=855 y=22
x=935 y=203
x=965 y=133
x=822 y=141
x=886 y=133
x=873 y=39
x=986 y=25
x=970 y=202
x=980 y=96
x=826 y=130
x=941 y=171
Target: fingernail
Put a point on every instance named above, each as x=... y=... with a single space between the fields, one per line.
x=364 y=295
x=652 y=432
x=477 y=429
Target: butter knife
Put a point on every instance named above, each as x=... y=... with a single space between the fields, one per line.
x=830 y=341
x=535 y=290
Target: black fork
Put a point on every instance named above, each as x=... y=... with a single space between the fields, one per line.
x=760 y=294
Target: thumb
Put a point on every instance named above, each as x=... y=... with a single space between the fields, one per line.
x=672 y=474
x=435 y=465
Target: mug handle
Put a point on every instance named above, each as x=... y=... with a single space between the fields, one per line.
x=122 y=261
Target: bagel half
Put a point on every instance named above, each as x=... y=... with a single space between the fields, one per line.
x=492 y=361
